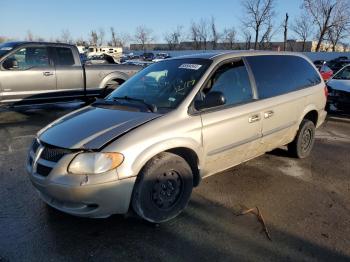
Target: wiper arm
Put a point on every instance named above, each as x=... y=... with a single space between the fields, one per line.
x=151 y=107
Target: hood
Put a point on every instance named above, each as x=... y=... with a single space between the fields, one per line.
x=92 y=127
x=339 y=84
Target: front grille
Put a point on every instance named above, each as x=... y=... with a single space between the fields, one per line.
x=47 y=152
x=43 y=170
x=54 y=154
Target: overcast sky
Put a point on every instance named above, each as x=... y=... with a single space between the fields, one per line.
x=47 y=18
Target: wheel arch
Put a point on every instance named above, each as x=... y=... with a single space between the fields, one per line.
x=188 y=149
x=118 y=76
x=310 y=113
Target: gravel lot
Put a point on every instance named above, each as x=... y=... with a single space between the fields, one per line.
x=305 y=204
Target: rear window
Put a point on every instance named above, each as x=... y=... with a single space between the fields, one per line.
x=279 y=74
x=64 y=56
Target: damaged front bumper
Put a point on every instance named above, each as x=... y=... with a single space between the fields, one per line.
x=81 y=195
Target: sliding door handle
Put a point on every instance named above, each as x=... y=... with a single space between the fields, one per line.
x=268 y=114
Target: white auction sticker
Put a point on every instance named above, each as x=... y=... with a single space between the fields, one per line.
x=190 y=66
x=6 y=48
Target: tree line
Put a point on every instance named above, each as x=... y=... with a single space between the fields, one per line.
x=320 y=20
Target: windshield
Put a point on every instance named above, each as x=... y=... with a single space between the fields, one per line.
x=343 y=74
x=164 y=84
x=6 y=48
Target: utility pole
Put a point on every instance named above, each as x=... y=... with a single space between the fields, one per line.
x=285 y=32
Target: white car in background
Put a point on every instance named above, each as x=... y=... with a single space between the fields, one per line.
x=161 y=57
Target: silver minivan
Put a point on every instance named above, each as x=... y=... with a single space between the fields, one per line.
x=146 y=145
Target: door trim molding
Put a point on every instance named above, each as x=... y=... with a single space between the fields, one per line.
x=233 y=145
x=280 y=128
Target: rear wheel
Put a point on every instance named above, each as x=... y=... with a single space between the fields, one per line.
x=111 y=86
x=163 y=188
x=304 y=140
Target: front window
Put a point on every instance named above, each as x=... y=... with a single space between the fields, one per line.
x=343 y=74
x=26 y=58
x=163 y=85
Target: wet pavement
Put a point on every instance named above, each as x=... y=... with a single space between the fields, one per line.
x=305 y=205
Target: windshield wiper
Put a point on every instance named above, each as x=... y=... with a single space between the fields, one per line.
x=151 y=107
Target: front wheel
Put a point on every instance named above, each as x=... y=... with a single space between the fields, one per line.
x=163 y=188
x=304 y=140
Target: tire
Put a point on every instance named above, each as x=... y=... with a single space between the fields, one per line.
x=303 y=141
x=110 y=87
x=163 y=188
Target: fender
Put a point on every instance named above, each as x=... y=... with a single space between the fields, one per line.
x=113 y=75
x=148 y=153
x=306 y=110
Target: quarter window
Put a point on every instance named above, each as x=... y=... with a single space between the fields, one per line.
x=279 y=74
x=233 y=81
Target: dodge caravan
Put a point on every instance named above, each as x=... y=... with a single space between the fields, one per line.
x=146 y=145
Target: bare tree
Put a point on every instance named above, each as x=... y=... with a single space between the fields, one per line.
x=66 y=37
x=143 y=36
x=215 y=36
x=337 y=33
x=195 y=35
x=29 y=36
x=302 y=27
x=123 y=39
x=326 y=14
x=247 y=39
x=93 y=38
x=229 y=37
x=285 y=32
x=114 y=40
x=81 y=41
x=265 y=42
x=203 y=29
x=101 y=35
x=173 y=38
x=341 y=26
x=258 y=15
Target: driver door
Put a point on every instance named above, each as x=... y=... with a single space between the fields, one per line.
x=231 y=132
x=27 y=74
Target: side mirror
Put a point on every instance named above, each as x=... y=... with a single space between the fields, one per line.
x=10 y=63
x=212 y=99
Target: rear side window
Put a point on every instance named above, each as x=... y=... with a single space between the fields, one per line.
x=279 y=74
x=64 y=56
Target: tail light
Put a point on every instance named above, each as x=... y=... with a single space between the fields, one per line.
x=326 y=91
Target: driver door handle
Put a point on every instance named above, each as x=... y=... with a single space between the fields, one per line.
x=254 y=118
x=48 y=73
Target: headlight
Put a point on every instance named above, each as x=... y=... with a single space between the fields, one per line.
x=95 y=163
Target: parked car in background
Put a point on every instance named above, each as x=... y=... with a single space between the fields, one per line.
x=147 y=56
x=325 y=71
x=101 y=59
x=36 y=72
x=339 y=91
x=160 y=57
x=338 y=63
x=319 y=63
x=153 y=139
